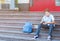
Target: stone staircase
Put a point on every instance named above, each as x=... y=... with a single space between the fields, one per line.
x=11 y=24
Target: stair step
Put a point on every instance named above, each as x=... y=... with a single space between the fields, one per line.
x=26 y=39
x=43 y=35
x=19 y=26
x=22 y=13
x=21 y=33
x=55 y=29
x=22 y=19
x=42 y=39
x=15 y=37
x=19 y=19
x=17 y=15
x=2 y=40
x=34 y=23
x=19 y=29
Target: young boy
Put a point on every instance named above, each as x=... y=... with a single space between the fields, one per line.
x=48 y=22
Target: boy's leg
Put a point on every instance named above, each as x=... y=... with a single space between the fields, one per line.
x=51 y=27
x=38 y=29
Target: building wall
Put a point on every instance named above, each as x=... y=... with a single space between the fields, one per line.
x=40 y=5
x=32 y=5
x=2 y=1
x=23 y=1
x=12 y=4
x=23 y=5
x=7 y=4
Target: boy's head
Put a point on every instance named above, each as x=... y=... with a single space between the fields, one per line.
x=47 y=12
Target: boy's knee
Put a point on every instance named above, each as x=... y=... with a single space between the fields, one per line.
x=51 y=25
x=39 y=24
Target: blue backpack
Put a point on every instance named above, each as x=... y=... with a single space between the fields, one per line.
x=27 y=28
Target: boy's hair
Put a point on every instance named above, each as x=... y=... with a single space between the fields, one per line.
x=47 y=10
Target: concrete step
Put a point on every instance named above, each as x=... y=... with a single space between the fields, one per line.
x=10 y=24
x=25 y=15
x=17 y=35
x=25 y=18
x=28 y=13
x=2 y=40
x=26 y=39
x=17 y=31
x=19 y=18
x=22 y=19
x=12 y=32
x=34 y=23
x=18 y=26
x=13 y=39
x=56 y=30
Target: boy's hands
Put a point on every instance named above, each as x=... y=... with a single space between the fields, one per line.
x=44 y=23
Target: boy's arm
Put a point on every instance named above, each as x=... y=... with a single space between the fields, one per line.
x=42 y=20
x=53 y=22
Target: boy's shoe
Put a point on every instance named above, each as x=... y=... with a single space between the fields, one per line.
x=36 y=37
x=49 y=38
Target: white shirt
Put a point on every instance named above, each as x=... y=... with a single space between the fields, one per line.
x=48 y=19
